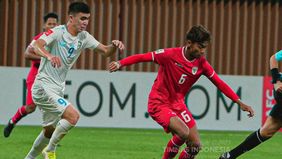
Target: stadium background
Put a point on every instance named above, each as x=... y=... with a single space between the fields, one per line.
x=245 y=34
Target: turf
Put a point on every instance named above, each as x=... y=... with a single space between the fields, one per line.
x=107 y=143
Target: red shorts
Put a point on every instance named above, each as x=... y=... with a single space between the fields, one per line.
x=162 y=113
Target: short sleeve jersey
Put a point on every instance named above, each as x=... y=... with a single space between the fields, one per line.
x=62 y=44
x=176 y=74
x=278 y=55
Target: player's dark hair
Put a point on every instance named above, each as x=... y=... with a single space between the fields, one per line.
x=78 y=7
x=50 y=15
x=198 y=34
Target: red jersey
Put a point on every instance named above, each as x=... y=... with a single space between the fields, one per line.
x=34 y=64
x=177 y=74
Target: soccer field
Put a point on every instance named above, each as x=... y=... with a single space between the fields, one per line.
x=108 y=143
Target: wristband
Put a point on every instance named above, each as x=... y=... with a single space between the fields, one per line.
x=275 y=75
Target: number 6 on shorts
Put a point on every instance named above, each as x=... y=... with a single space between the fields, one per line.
x=185 y=116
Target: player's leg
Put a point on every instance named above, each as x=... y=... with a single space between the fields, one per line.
x=193 y=145
x=21 y=112
x=270 y=127
x=180 y=134
x=180 y=126
x=67 y=122
x=40 y=142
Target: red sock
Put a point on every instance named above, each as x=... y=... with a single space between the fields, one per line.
x=190 y=151
x=185 y=155
x=172 y=147
x=19 y=114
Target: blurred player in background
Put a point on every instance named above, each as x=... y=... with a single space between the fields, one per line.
x=179 y=69
x=50 y=21
x=273 y=122
x=65 y=43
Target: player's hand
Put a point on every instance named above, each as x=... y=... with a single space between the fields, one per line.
x=30 y=49
x=55 y=61
x=247 y=108
x=114 y=66
x=118 y=44
x=278 y=86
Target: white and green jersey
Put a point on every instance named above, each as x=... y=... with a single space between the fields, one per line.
x=278 y=55
x=62 y=44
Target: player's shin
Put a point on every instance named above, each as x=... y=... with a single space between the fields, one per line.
x=21 y=112
x=39 y=144
x=61 y=130
x=190 y=151
x=172 y=147
x=250 y=142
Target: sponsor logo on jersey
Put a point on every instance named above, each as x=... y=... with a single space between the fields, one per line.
x=194 y=70
x=179 y=65
x=47 y=33
x=159 y=51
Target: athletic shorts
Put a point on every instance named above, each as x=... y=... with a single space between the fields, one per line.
x=50 y=101
x=276 y=111
x=162 y=113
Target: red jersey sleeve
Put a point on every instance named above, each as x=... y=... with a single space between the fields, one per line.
x=160 y=56
x=37 y=36
x=208 y=70
x=146 y=57
x=224 y=88
x=219 y=83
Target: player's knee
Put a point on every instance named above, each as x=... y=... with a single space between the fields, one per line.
x=30 y=108
x=267 y=133
x=74 y=117
x=184 y=134
x=71 y=115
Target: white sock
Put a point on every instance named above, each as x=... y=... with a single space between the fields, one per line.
x=39 y=144
x=61 y=130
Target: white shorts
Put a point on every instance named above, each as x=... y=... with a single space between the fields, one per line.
x=50 y=101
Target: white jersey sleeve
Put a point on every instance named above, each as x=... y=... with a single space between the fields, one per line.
x=91 y=42
x=278 y=55
x=50 y=35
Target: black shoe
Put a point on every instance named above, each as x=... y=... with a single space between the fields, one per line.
x=8 y=128
x=225 y=155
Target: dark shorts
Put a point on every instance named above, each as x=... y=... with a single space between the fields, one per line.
x=276 y=111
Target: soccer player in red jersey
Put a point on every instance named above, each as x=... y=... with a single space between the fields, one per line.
x=50 y=21
x=179 y=69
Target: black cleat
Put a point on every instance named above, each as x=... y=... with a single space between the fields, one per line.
x=225 y=155
x=8 y=128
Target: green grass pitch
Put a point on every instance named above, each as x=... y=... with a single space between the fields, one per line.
x=110 y=143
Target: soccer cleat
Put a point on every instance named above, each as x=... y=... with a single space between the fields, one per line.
x=48 y=155
x=8 y=128
x=225 y=155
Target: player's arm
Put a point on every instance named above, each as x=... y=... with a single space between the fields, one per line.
x=30 y=54
x=274 y=66
x=116 y=65
x=109 y=50
x=41 y=51
x=276 y=76
x=225 y=89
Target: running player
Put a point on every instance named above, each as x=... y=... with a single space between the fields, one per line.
x=50 y=21
x=179 y=69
